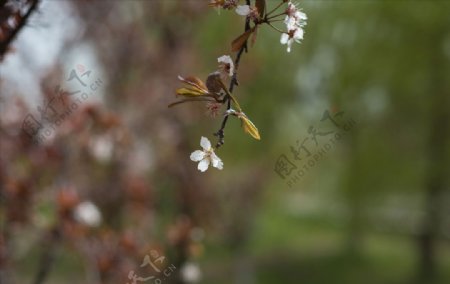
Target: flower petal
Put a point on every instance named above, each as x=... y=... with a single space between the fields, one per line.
x=284 y=38
x=301 y=15
x=243 y=10
x=298 y=35
x=197 y=156
x=290 y=22
x=203 y=165
x=289 y=46
x=226 y=60
x=204 y=142
x=216 y=161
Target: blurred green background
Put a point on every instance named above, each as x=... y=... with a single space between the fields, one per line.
x=375 y=208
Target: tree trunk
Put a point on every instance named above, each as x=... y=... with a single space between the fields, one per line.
x=435 y=182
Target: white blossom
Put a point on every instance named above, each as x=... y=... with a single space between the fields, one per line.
x=289 y=38
x=88 y=214
x=295 y=21
x=206 y=156
x=294 y=17
x=102 y=147
x=226 y=66
x=243 y=10
x=250 y=12
x=190 y=272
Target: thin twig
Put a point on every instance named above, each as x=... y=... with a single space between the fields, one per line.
x=274 y=9
x=275 y=28
x=10 y=38
x=274 y=21
x=274 y=16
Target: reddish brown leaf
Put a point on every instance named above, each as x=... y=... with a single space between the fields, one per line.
x=193 y=81
x=261 y=6
x=253 y=39
x=239 y=42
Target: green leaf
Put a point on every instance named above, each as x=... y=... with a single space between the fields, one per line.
x=191 y=92
x=249 y=127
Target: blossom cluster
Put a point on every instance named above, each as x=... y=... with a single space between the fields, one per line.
x=295 y=21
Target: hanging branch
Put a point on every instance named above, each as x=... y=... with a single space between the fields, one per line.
x=234 y=82
x=214 y=92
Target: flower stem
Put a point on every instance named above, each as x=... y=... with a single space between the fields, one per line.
x=275 y=28
x=274 y=21
x=274 y=9
x=274 y=16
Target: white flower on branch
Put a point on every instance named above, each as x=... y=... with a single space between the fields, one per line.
x=190 y=272
x=247 y=11
x=294 y=17
x=295 y=21
x=243 y=10
x=289 y=38
x=206 y=156
x=226 y=66
x=88 y=214
x=102 y=147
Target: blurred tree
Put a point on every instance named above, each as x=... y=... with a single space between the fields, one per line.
x=436 y=175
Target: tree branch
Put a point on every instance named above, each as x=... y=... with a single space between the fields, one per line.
x=48 y=254
x=15 y=31
x=234 y=82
